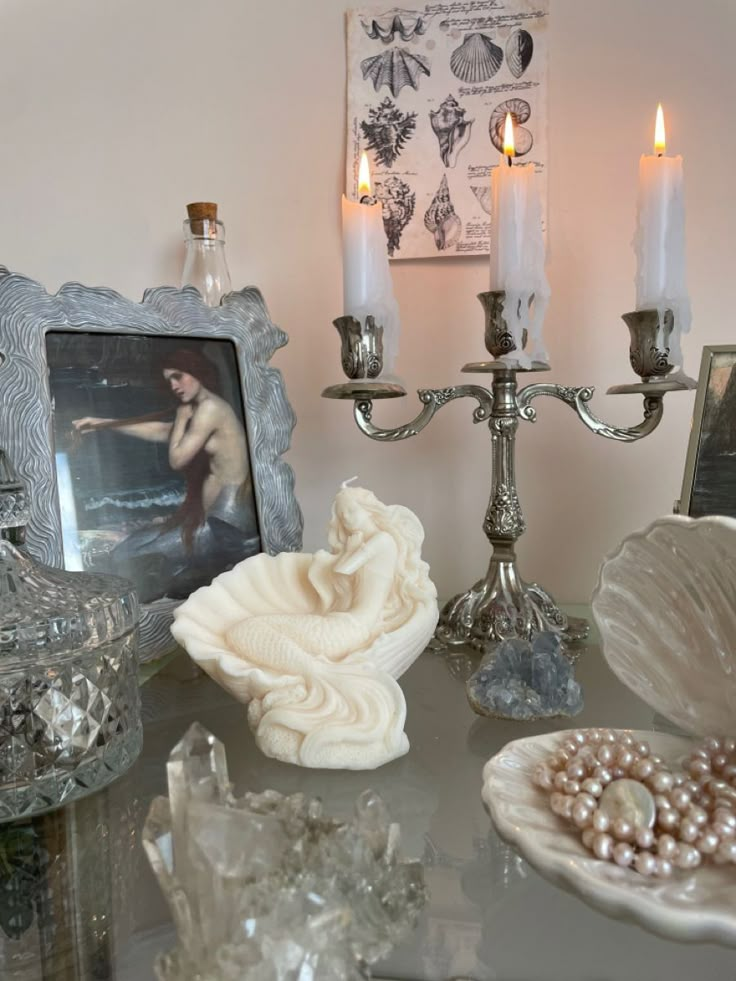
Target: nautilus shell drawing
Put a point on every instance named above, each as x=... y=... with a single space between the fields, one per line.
x=451 y=128
x=398 y=202
x=395 y=69
x=483 y=193
x=441 y=220
x=386 y=131
x=477 y=59
x=404 y=23
x=519 y=50
x=520 y=112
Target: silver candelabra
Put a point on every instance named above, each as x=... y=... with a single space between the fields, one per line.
x=502 y=604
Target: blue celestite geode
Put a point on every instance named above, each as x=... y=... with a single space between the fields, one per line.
x=524 y=680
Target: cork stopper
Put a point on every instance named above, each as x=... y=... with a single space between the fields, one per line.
x=199 y=212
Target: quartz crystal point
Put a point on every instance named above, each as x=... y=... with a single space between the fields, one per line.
x=525 y=680
x=266 y=887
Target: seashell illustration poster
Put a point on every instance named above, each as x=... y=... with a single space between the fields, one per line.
x=428 y=92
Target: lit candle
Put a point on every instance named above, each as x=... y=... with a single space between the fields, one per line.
x=660 y=239
x=367 y=286
x=517 y=250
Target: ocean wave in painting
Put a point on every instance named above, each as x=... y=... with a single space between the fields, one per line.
x=138 y=499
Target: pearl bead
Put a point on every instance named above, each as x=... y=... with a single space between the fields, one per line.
x=719 y=761
x=707 y=843
x=729 y=746
x=605 y=755
x=543 y=777
x=666 y=847
x=581 y=815
x=641 y=749
x=586 y=799
x=575 y=770
x=623 y=854
x=603 y=774
x=668 y=820
x=645 y=863
x=609 y=737
x=624 y=757
x=725 y=815
x=595 y=736
x=662 y=782
x=642 y=769
x=618 y=772
x=570 y=746
x=657 y=760
x=688 y=857
x=630 y=800
x=726 y=852
x=697 y=815
x=623 y=829
x=560 y=781
x=724 y=831
x=662 y=868
x=592 y=787
x=689 y=830
x=729 y=772
x=644 y=837
x=712 y=745
x=680 y=798
x=588 y=837
x=698 y=768
x=603 y=846
x=601 y=821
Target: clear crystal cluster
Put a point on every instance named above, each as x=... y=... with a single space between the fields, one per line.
x=524 y=680
x=266 y=887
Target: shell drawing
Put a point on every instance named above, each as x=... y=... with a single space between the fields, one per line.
x=386 y=131
x=477 y=59
x=519 y=51
x=451 y=128
x=441 y=220
x=314 y=643
x=406 y=23
x=398 y=202
x=665 y=606
x=395 y=69
x=483 y=194
x=520 y=111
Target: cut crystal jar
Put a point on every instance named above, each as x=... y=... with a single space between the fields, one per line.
x=70 y=718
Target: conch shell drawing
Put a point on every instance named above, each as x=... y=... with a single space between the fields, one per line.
x=441 y=220
x=519 y=50
x=387 y=129
x=451 y=128
x=314 y=643
x=406 y=23
x=477 y=59
x=398 y=202
x=520 y=111
x=395 y=68
x=483 y=194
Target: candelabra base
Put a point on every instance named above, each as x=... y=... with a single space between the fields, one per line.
x=503 y=606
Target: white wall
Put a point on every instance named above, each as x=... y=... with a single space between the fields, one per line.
x=114 y=114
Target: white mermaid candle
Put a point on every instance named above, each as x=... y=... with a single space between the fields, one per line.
x=314 y=643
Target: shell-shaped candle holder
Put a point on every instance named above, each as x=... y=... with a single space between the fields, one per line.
x=361 y=347
x=314 y=643
x=649 y=351
x=665 y=606
x=499 y=338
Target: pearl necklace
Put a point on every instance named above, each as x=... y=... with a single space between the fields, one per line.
x=632 y=809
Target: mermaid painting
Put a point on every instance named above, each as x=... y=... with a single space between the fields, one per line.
x=215 y=526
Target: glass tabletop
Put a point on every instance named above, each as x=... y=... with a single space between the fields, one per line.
x=78 y=900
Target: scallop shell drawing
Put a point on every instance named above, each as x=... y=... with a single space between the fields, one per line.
x=519 y=50
x=451 y=128
x=520 y=111
x=484 y=196
x=395 y=68
x=398 y=202
x=406 y=23
x=477 y=59
x=441 y=220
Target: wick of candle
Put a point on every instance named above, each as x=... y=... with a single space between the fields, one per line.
x=367 y=199
x=508 y=160
x=659 y=155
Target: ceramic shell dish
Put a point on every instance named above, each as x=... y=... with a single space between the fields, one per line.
x=314 y=643
x=665 y=606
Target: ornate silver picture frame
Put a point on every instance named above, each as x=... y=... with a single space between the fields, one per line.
x=709 y=483
x=28 y=315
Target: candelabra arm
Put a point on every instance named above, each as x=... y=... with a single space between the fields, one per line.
x=578 y=399
x=433 y=399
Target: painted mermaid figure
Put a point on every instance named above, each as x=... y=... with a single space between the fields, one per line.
x=319 y=651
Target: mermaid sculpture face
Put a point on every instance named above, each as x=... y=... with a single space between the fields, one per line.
x=314 y=643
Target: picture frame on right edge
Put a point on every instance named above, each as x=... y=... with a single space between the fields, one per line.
x=709 y=484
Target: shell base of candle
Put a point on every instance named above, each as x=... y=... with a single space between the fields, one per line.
x=361 y=355
x=650 y=351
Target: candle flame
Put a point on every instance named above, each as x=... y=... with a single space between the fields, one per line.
x=508 y=136
x=660 y=144
x=364 y=177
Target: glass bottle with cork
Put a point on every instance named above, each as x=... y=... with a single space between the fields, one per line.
x=205 y=265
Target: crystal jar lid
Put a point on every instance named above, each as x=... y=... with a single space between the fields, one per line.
x=47 y=612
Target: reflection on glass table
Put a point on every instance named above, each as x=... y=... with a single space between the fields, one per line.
x=78 y=901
